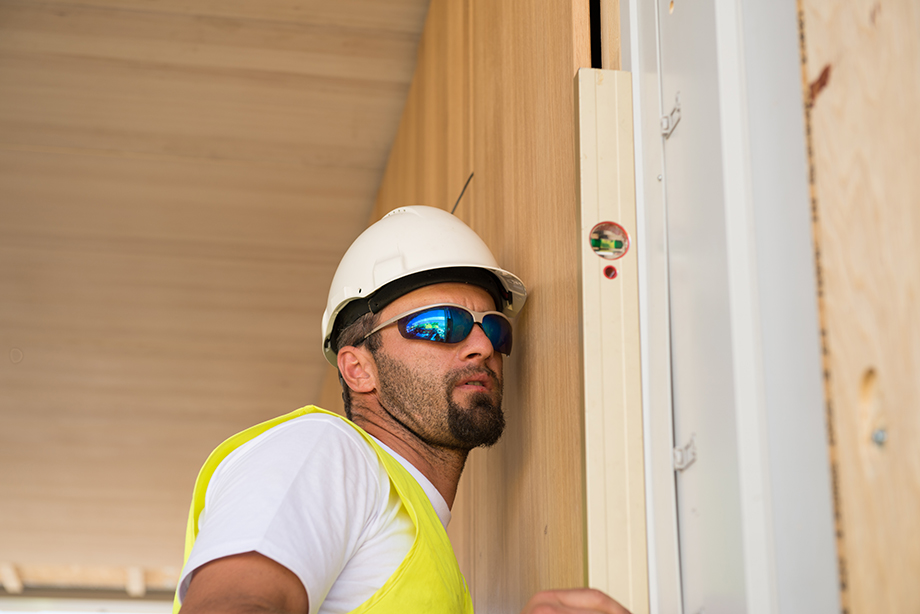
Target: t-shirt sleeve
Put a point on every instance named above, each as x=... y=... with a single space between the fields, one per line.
x=302 y=494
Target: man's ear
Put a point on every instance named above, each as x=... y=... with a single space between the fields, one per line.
x=358 y=368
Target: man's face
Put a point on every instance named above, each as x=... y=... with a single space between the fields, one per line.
x=449 y=395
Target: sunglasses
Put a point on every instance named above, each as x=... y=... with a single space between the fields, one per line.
x=451 y=323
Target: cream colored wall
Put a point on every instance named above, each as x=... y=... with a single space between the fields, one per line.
x=862 y=76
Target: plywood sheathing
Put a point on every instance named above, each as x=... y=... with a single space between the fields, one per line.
x=862 y=88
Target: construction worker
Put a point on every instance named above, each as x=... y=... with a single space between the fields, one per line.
x=312 y=513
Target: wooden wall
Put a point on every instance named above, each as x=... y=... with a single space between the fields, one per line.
x=862 y=76
x=177 y=183
x=493 y=95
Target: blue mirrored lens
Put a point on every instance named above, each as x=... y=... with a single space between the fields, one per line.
x=449 y=324
x=442 y=324
x=498 y=330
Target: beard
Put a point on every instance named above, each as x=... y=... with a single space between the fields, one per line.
x=481 y=424
x=419 y=401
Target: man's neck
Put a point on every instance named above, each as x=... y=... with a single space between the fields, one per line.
x=442 y=466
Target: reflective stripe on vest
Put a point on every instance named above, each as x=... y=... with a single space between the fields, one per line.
x=427 y=580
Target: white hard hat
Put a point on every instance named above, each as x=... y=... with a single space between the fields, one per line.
x=414 y=247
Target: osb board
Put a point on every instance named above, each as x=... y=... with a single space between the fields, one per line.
x=862 y=68
x=518 y=521
x=177 y=183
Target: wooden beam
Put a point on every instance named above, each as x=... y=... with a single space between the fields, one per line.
x=135 y=580
x=611 y=54
x=10 y=579
x=135 y=584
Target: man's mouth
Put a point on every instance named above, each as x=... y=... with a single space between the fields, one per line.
x=481 y=383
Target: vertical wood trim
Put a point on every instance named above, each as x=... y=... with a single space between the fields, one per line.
x=611 y=53
x=581 y=33
x=617 y=557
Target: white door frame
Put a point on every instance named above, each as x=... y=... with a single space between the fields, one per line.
x=778 y=441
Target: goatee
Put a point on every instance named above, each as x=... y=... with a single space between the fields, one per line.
x=479 y=424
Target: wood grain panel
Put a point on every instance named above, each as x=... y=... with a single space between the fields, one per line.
x=431 y=156
x=147 y=331
x=611 y=42
x=373 y=17
x=527 y=493
x=177 y=184
x=518 y=522
x=310 y=45
x=862 y=64
x=173 y=86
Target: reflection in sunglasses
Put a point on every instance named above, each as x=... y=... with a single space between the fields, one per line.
x=451 y=323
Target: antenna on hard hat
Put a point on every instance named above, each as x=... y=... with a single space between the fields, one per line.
x=461 y=193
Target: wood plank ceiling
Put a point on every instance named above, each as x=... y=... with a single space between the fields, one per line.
x=177 y=182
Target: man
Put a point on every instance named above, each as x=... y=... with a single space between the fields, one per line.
x=310 y=513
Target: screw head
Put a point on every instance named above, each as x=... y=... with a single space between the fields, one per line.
x=879 y=437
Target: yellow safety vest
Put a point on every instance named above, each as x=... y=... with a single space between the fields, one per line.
x=427 y=580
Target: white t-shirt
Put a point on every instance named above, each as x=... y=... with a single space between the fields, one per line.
x=312 y=495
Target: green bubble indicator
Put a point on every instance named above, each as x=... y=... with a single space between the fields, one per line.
x=609 y=240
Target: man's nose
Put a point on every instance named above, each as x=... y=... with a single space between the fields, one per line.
x=477 y=343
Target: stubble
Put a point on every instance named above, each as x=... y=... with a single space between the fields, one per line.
x=410 y=396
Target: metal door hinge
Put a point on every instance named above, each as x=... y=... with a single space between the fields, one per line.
x=670 y=121
x=685 y=456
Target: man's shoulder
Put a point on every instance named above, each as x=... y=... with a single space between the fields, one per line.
x=314 y=438
x=307 y=493
x=320 y=426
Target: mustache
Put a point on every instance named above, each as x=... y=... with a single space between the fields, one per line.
x=457 y=376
